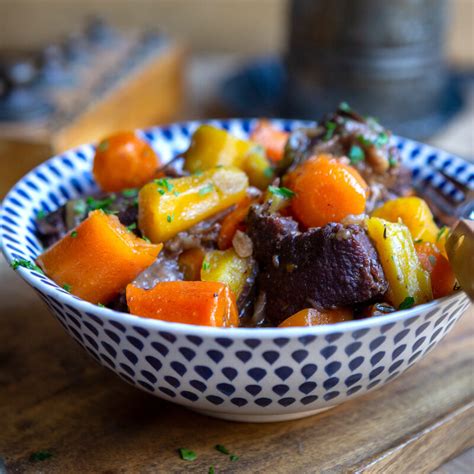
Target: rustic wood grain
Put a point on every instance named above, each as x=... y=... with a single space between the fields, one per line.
x=54 y=397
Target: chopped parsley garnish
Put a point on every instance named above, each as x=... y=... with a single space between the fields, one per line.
x=206 y=189
x=40 y=214
x=356 y=154
x=176 y=193
x=67 y=287
x=21 y=262
x=187 y=454
x=206 y=266
x=282 y=192
x=381 y=140
x=330 y=129
x=345 y=107
x=100 y=305
x=132 y=226
x=441 y=232
x=169 y=218
x=418 y=241
x=222 y=449
x=161 y=191
x=164 y=183
x=100 y=204
x=130 y=193
x=103 y=145
x=211 y=470
x=234 y=457
x=40 y=456
x=80 y=207
x=268 y=173
x=146 y=239
x=432 y=259
x=197 y=173
x=407 y=303
x=74 y=234
x=392 y=161
x=364 y=141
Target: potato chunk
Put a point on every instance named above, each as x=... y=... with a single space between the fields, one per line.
x=400 y=263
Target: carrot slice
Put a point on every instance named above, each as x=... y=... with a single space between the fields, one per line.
x=98 y=259
x=326 y=191
x=123 y=161
x=438 y=266
x=314 y=317
x=271 y=138
x=191 y=302
x=233 y=222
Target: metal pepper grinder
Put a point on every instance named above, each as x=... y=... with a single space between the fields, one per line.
x=383 y=57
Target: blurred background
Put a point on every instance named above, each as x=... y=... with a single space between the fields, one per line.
x=72 y=71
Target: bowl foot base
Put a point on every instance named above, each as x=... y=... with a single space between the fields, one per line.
x=270 y=418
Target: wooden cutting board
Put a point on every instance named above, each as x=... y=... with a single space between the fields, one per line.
x=54 y=398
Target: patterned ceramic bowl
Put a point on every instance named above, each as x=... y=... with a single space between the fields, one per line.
x=239 y=374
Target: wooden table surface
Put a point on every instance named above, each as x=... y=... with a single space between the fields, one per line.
x=55 y=398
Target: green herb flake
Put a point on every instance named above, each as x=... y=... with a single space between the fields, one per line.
x=392 y=161
x=187 y=454
x=441 y=232
x=432 y=259
x=101 y=204
x=356 y=154
x=211 y=470
x=206 y=189
x=80 y=207
x=100 y=305
x=418 y=241
x=330 y=129
x=176 y=193
x=364 y=140
x=74 y=234
x=345 y=107
x=103 y=145
x=234 y=457
x=198 y=173
x=407 y=303
x=67 y=287
x=268 y=172
x=25 y=264
x=130 y=193
x=132 y=226
x=40 y=214
x=40 y=456
x=381 y=140
x=169 y=218
x=164 y=183
x=282 y=192
x=146 y=239
x=206 y=266
x=222 y=449
x=161 y=191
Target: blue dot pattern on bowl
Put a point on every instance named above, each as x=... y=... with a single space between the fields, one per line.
x=243 y=371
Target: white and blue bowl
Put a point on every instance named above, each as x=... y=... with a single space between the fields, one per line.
x=240 y=374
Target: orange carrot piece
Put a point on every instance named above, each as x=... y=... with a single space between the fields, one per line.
x=439 y=268
x=191 y=302
x=123 y=161
x=326 y=191
x=233 y=222
x=98 y=259
x=190 y=263
x=272 y=139
x=314 y=317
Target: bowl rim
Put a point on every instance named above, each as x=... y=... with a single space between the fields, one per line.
x=32 y=276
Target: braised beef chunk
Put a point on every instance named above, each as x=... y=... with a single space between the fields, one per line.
x=323 y=267
x=362 y=141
